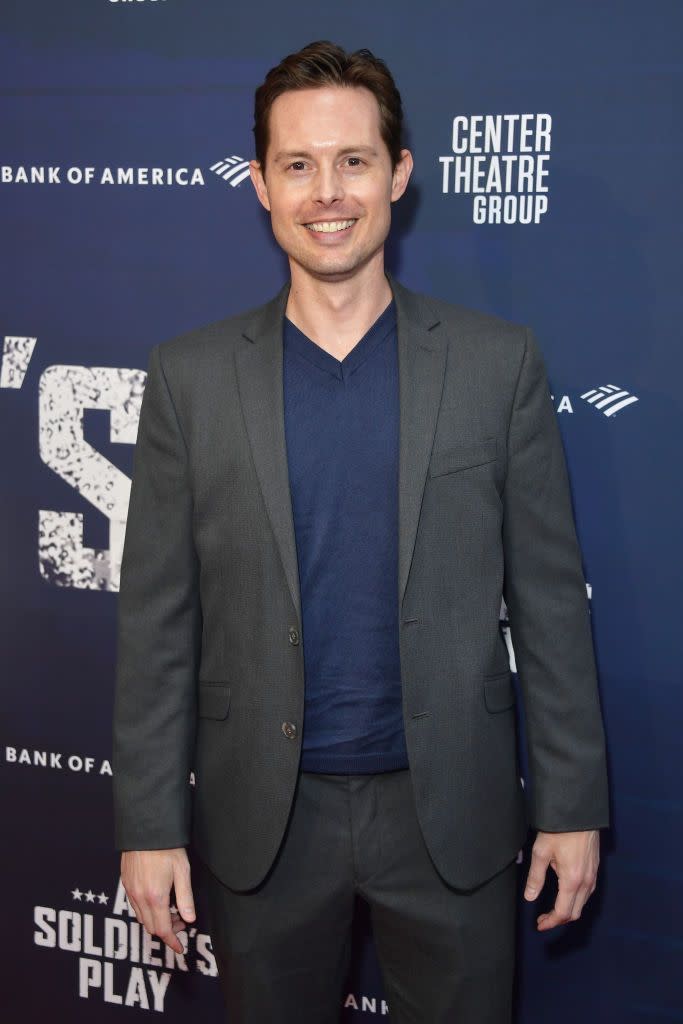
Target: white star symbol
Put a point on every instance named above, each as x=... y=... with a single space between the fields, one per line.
x=89 y=896
x=102 y=898
x=76 y=893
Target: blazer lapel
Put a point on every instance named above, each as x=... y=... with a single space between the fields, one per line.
x=421 y=367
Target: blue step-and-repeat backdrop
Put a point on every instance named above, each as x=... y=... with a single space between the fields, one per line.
x=128 y=217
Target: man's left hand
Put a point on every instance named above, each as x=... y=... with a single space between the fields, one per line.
x=574 y=857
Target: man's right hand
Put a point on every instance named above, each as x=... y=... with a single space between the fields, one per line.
x=147 y=877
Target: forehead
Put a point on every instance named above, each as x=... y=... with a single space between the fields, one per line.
x=324 y=117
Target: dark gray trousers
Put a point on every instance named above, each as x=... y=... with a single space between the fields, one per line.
x=446 y=956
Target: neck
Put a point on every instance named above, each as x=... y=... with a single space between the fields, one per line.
x=338 y=312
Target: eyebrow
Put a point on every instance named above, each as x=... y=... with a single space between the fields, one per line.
x=297 y=154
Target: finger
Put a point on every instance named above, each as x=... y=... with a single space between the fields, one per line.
x=582 y=897
x=138 y=901
x=183 y=893
x=135 y=907
x=178 y=924
x=537 y=874
x=163 y=927
x=142 y=911
x=561 y=912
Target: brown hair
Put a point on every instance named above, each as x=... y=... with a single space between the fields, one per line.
x=324 y=63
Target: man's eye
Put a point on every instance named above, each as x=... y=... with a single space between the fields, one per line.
x=355 y=161
x=297 y=165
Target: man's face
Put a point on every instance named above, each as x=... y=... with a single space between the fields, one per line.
x=328 y=181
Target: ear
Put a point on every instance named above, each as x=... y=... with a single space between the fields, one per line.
x=402 y=171
x=259 y=183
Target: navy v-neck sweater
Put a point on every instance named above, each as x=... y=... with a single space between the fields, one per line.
x=342 y=429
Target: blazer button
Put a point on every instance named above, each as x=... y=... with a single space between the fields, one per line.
x=289 y=729
x=293 y=635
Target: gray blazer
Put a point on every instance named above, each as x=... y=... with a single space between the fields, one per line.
x=210 y=672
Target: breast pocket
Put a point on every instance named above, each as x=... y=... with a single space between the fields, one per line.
x=453 y=458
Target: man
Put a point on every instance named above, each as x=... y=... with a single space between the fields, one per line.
x=331 y=494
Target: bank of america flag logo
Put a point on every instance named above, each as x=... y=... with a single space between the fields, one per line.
x=609 y=399
x=233 y=169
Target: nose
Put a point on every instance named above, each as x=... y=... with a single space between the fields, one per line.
x=328 y=186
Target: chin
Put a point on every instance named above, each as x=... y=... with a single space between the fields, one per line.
x=342 y=265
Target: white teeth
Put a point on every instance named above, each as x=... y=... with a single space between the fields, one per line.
x=331 y=225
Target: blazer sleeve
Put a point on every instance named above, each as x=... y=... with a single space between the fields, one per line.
x=545 y=592
x=158 y=635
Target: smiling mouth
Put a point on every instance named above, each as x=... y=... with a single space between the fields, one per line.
x=327 y=226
